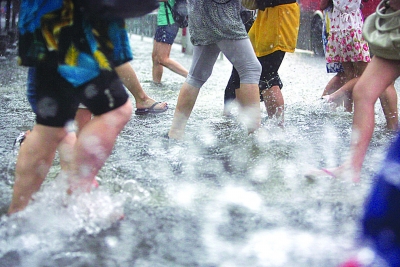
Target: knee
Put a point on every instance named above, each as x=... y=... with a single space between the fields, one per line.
x=156 y=56
x=266 y=83
x=250 y=73
x=125 y=111
x=258 y=68
x=391 y=91
x=117 y=118
x=254 y=68
x=362 y=96
x=197 y=82
x=358 y=95
x=162 y=60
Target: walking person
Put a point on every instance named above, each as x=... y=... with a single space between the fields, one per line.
x=270 y=45
x=346 y=45
x=248 y=17
x=164 y=37
x=144 y=105
x=338 y=80
x=379 y=74
x=72 y=67
x=215 y=26
x=339 y=91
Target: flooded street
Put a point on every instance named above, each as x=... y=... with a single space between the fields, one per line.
x=219 y=199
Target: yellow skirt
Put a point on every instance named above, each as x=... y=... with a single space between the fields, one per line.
x=275 y=28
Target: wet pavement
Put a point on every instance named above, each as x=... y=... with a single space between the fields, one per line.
x=220 y=199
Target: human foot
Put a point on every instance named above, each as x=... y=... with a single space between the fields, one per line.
x=82 y=186
x=147 y=102
x=343 y=172
x=328 y=99
x=175 y=135
x=150 y=106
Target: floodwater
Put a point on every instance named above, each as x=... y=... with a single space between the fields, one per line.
x=219 y=199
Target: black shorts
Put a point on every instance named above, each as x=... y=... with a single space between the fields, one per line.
x=270 y=66
x=166 y=34
x=269 y=75
x=57 y=100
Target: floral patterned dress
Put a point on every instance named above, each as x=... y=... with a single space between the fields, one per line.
x=345 y=41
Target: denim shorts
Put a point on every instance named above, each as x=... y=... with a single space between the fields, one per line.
x=166 y=34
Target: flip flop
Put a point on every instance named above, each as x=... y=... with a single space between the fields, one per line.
x=150 y=110
x=314 y=174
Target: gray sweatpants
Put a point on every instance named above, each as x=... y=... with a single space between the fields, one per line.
x=239 y=52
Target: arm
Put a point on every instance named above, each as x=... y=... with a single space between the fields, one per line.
x=395 y=4
x=323 y=4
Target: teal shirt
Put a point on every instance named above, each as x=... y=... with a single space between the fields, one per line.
x=162 y=13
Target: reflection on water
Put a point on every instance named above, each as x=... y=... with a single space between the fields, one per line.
x=221 y=198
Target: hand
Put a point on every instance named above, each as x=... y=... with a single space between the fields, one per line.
x=323 y=4
x=395 y=4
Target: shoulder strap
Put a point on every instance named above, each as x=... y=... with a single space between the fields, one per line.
x=220 y=2
x=166 y=4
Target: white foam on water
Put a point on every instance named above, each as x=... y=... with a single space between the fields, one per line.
x=48 y=222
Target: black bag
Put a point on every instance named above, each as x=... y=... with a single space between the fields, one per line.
x=248 y=18
x=179 y=13
x=123 y=9
x=263 y=4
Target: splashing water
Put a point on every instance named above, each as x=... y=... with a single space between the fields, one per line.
x=220 y=198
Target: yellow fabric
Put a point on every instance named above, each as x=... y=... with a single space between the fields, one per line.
x=327 y=21
x=275 y=28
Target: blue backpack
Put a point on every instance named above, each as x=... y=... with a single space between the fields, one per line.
x=179 y=13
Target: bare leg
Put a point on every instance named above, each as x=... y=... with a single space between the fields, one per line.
x=377 y=77
x=343 y=95
x=389 y=106
x=34 y=161
x=186 y=100
x=228 y=107
x=131 y=81
x=248 y=97
x=157 y=69
x=94 y=145
x=379 y=74
x=65 y=150
x=66 y=147
x=160 y=56
x=359 y=68
x=274 y=103
x=334 y=84
x=82 y=117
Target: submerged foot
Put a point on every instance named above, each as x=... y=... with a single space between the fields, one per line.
x=343 y=172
